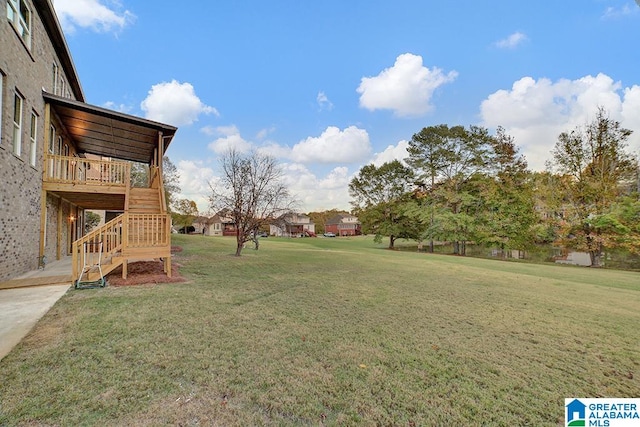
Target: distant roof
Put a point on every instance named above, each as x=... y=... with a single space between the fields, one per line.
x=337 y=219
x=108 y=133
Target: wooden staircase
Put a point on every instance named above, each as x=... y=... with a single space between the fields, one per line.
x=142 y=232
x=144 y=201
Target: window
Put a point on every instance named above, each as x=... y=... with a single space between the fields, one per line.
x=19 y=15
x=17 y=124
x=56 y=72
x=52 y=138
x=33 y=137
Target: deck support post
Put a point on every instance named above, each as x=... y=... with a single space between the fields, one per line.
x=125 y=264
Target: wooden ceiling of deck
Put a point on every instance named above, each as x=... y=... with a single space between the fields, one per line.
x=94 y=201
x=109 y=133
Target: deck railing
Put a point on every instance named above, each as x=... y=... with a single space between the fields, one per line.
x=157 y=182
x=144 y=233
x=148 y=230
x=110 y=235
x=78 y=170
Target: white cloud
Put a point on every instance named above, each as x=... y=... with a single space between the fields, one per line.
x=274 y=149
x=122 y=108
x=315 y=193
x=230 y=138
x=513 y=41
x=391 y=153
x=619 y=12
x=406 y=88
x=263 y=133
x=333 y=146
x=536 y=112
x=91 y=14
x=174 y=103
x=323 y=102
x=194 y=183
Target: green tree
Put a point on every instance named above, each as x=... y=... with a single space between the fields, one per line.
x=379 y=198
x=91 y=219
x=184 y=213
x=507 y=213
x=171 y=180
x=427 y=155
x=600 y=171
x=139 y=175
x=446 y=159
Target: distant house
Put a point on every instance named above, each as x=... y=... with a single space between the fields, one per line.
x=201 y=224
x=343 y=225
x=292 y=225
x=221 y=224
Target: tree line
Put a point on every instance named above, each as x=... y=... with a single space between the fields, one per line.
x=463 y=184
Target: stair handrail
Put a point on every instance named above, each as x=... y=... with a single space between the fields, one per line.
x=110 y=234
x=157 y=182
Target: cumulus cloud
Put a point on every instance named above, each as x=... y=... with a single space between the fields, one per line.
x=511 y=42
x=174 y=103
x=315 y=193
x=194 y=182
x=230 y=138
x=391 y=153
x=323 y=102
x=405 y=88
x=333 y=146
x=274 y=149
x=92 y=14
x=535 y=112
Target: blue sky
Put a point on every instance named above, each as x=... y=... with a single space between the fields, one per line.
x=329 y=86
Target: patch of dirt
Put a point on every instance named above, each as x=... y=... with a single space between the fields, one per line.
x=147 y=273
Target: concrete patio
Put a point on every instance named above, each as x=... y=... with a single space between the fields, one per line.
x=25 y=299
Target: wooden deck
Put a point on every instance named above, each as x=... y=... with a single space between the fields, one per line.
x=143 y=231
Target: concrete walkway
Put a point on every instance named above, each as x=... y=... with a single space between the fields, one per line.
x=22 y=307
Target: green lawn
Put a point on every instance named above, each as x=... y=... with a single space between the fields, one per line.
x=330 y=332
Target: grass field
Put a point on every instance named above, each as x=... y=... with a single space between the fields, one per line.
x=330 y=332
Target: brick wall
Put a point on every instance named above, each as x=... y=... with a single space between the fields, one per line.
x=26 y=71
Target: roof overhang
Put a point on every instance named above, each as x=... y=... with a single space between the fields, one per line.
x=108 y=133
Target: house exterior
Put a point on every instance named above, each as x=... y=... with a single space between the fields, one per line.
x=292 y=225
x=200 y=225
x=60 y=156
x=221 y=224
x=343 y=225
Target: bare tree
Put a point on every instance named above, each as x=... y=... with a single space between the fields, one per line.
x=251 y=191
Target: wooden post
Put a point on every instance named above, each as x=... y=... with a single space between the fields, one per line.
x=125 y=264
x=59 y=231
x=160 y=152
x=127 y=186
x=43 y=196
x=167 y=259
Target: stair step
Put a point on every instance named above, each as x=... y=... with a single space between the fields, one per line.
x=144 y=201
